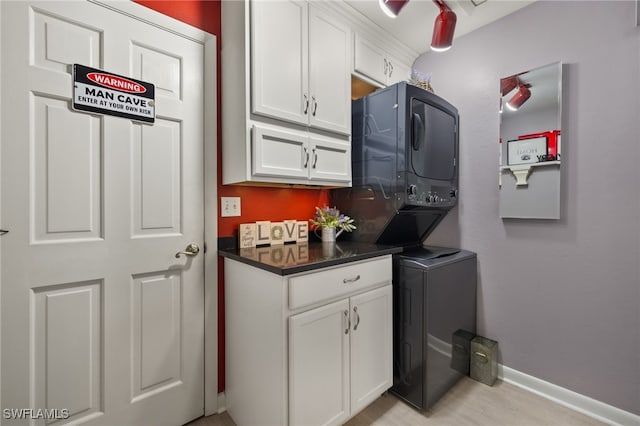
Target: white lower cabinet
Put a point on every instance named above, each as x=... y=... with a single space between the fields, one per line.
x=340 y=358
x=371 y=349
x=319 y=365
x=312 y=348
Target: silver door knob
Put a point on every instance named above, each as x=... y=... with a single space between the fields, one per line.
x=191 y=250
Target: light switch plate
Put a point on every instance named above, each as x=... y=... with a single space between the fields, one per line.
x=229 y=206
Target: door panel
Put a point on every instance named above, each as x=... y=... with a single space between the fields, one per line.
x=371 y=346
x=156 y=332
x=329 y=70
x=66 y=350
x=67 y=191
x=279 y=59
x=156 y=178
x=280 y=153
x=369 y=60
x=330 y=160
x=59 y=41
x=100 y=318
x=319 y=365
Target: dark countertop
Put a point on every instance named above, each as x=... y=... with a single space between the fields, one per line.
x=302 y=257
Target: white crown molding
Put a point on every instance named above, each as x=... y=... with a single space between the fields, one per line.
x=361 y=24
x=578 y=402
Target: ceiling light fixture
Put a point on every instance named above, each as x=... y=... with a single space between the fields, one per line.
x=443 y=28
x=520 y=97
x=392 y=7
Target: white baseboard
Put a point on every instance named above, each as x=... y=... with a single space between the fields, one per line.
x=222 y=403
x=581 y=403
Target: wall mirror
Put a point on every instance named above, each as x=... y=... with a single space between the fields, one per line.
x=530 y=143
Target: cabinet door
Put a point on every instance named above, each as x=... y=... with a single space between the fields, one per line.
x=371 y=346
x=329 y=69
x=370 y=60
x=319 y=365
x=397 y=71
x=279 y=42
x=330 y=160
x=280 y=153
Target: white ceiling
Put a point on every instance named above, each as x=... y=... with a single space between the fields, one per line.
x=414 y=25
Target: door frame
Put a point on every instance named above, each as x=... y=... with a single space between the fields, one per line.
x=209 y=42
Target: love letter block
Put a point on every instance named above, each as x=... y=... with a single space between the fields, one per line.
x=264 y=232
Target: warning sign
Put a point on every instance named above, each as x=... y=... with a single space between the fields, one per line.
x=101 y=92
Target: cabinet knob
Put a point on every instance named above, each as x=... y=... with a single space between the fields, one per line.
x=315 y=105
x=315 y=158
x=347 y=320
x=351 y=280
x=355 y=311
x=306 y=160
x=306 y=103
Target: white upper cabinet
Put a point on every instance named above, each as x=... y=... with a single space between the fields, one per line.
x=375 y=63
x=286 y=103
x=281 y=154
x=286 y=98
x=279 y=64
x=300 y=65
x=369 y=60
x=329 y=160
x=329 y=73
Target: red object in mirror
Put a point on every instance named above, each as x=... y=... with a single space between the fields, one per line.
x=519 y=98
x=508 y=84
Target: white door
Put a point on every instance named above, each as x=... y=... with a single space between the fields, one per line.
x=329 y=73
x=319 y=365
x=279 y=61
x=98 y=316
x=371 y=346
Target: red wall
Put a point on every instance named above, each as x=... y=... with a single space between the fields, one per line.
x=257 y=203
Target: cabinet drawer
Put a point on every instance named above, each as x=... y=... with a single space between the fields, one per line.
x=326 y=284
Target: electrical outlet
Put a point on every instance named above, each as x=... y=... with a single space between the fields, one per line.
x=229 y=206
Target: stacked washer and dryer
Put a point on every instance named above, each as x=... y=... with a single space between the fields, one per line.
x=405 y=180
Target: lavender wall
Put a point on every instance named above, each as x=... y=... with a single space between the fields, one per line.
x=562 y=297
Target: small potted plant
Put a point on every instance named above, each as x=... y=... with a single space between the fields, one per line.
x=331 y=223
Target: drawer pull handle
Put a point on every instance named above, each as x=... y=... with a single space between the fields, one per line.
x=347 y=320
x=351 y=280
x=482 y=357
x=355 y=311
